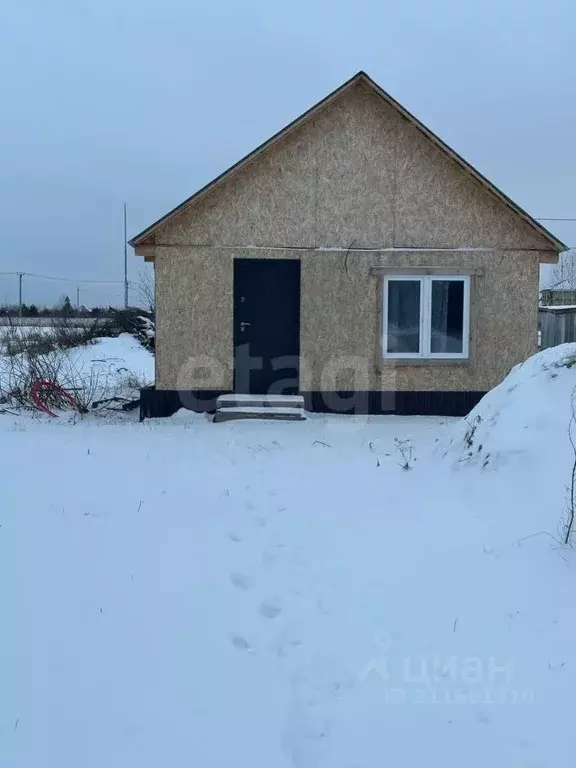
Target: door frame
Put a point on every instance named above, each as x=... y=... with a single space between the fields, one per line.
x=255 y=262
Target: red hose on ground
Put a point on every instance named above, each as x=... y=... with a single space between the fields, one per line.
x=39 y=386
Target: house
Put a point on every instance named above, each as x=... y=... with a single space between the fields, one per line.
x=353 y=258
x=550 y=297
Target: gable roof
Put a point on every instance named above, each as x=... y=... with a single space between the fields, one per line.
x=359 y=77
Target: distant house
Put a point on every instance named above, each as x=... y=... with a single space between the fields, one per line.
x=354 y=258
x=551 y=297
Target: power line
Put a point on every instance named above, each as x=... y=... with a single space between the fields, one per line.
x=100 y=285
x=70 y=279
x=126 y=283
x=62 y=279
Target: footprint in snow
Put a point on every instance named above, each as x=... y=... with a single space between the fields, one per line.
x=270 y=609
x=307 y=731
x=234 y=536
x=240 y=642
x=241 y=581
x=287 y=642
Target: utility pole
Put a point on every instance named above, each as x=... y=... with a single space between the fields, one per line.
x=20 y=276
x=125 y=261
x=78 y=298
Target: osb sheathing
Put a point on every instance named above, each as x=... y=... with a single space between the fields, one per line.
x=340 y=332
x=357 y=173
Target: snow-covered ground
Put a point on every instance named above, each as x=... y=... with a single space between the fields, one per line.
x=180 y=593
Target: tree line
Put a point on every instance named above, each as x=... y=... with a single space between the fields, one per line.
x=64 y=309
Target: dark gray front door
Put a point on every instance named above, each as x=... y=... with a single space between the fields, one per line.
x=266 y=326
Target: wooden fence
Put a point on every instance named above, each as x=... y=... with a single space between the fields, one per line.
x=557 y=326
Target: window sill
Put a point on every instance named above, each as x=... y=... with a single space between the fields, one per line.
x=392 y=362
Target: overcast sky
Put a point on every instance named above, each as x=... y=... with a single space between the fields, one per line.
x=147 y=100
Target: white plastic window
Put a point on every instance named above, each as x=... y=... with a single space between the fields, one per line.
x=426 y=316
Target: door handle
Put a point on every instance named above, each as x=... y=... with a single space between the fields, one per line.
x=244 y=325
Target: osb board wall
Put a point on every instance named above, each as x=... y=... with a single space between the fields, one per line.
x=356 y=172
x=340 y=319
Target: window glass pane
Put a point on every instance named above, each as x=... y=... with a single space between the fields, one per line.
x=447 y=316
x=403 y=316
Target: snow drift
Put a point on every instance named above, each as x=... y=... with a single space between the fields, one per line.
x=524 y=419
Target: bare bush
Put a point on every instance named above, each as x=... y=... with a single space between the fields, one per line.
x=131 y=381
x=68 y=336
x=405 y=451
x=87 y=383
x=571 y=491
x=146 y=292
x=15 y=341
x=63 y=334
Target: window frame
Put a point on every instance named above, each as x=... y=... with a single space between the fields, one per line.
x=424 y=353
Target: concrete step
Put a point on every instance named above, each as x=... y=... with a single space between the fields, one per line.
x=260 y=401
x=277 y=413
